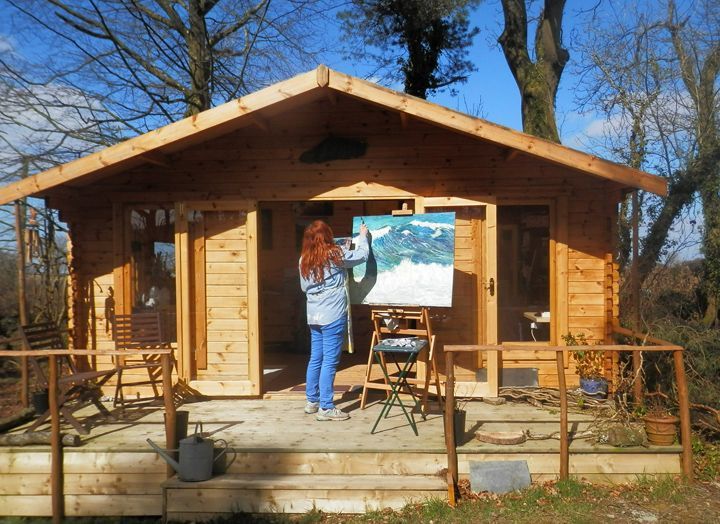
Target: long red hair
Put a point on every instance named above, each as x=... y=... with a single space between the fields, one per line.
x=318 y=251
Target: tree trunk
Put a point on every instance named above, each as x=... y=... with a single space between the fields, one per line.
x=199 y=57
x=537 y=81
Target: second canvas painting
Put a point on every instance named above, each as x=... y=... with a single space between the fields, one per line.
x=411 y=261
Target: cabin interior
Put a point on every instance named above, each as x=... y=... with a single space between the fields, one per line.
x=522 y=287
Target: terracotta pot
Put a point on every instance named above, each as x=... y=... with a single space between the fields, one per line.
x=661 y=429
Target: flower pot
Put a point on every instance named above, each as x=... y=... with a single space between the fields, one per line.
x=459 y=418
x=594 y=387
x=40 y=401
x=661 y=429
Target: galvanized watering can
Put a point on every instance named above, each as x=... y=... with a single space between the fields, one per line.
x=196 y=456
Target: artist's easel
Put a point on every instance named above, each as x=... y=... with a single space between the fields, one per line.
x=402 y=322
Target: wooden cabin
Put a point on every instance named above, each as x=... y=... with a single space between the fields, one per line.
x=201 y=221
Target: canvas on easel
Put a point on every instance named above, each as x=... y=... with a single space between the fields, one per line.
x=410 y=269
x=411 y=261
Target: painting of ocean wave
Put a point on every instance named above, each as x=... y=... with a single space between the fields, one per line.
x=411 y=261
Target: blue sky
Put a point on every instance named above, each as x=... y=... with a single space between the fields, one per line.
x=492 y=87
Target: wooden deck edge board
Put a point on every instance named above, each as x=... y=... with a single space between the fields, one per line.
x=352 y=482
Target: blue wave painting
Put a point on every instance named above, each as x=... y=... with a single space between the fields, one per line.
x=411 y=261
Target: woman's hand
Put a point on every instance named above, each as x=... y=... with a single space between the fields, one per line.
x=363 y=230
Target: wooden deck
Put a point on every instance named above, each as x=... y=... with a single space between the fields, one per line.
x=277 y=446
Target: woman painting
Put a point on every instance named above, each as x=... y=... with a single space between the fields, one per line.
x=322 y=279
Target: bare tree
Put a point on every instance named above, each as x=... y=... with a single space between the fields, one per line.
x=77 y=75
x=537 y=79
x=654 y=73
x=149 y=62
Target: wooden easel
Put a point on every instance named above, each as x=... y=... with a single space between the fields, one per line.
x=390 y=322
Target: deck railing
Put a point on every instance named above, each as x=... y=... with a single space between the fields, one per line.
x=660 y=345
x=56 y=462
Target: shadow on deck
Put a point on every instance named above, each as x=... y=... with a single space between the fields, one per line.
x=292 y=457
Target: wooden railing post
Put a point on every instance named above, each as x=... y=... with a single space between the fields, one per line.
x=452 y=474
x=684 y=403
x=564 y=444
x=56 y=454
x=170 y=415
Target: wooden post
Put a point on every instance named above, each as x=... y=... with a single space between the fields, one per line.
x=170 y=415
x=22 y=295
x=564 y=444
x=635 y=279
x=56 y=454
x=684 y=401
x=452 y=474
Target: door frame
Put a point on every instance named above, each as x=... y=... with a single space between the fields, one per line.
x=488 y=278
x=184 y=295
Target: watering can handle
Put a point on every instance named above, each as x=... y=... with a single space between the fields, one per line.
x=224 y=448
x=198 y=425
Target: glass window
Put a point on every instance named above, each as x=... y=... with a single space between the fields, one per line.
x=523 y=273
x=152 y=262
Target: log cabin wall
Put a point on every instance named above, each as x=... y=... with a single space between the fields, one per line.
x=406 y=159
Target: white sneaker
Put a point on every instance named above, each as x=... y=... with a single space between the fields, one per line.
x=331 y=414
x=312 y=407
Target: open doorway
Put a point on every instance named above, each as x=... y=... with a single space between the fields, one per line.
x=285 y=336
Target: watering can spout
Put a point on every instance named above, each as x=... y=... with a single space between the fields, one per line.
x=175 y=465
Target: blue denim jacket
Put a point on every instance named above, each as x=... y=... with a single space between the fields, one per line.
x=327 y=300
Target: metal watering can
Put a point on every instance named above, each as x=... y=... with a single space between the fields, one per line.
x=196 y=456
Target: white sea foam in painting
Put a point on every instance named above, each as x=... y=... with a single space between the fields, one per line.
x=430 y=285
x=379 y=233
x=432 y=225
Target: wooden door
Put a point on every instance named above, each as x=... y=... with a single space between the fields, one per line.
x=218 y=287
x=473 y=317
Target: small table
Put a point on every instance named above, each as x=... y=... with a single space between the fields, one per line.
x=404 y=357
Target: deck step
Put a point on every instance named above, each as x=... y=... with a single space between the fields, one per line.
x=263 y=493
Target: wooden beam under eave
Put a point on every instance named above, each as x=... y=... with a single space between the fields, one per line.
x=331 y=97
x=404 y=119
x=155 y=158
x=260 y=122
x=510 y=154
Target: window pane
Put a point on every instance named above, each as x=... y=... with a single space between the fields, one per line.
x=523 y=273
x=152 y=260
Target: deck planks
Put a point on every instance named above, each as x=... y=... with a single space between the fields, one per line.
x=115 y=472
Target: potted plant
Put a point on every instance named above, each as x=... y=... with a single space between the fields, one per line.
x=590 y=367
x=40 y=400
x=459 y=422
x=660 y=423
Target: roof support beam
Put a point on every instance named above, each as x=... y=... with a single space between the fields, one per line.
x=156 y=158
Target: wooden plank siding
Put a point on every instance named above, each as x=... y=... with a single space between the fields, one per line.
x=400 y=164
x=226 y=296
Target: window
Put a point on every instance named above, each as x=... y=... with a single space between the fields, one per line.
x=523 y=273
x=152 y=263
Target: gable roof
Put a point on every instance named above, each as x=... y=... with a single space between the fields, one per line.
x=148 y=148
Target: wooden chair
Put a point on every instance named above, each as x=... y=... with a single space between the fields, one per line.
x=77 y=387
x=138 y=331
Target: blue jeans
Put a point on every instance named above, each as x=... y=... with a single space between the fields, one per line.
x=325 y=347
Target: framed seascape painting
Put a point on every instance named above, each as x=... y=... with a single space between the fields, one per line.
x=411 y=261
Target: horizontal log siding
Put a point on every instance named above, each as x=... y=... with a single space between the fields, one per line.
x=400 y=162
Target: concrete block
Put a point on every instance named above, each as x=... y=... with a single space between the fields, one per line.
x=499 y=476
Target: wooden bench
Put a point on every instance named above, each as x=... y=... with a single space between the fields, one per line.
x=77 y=387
